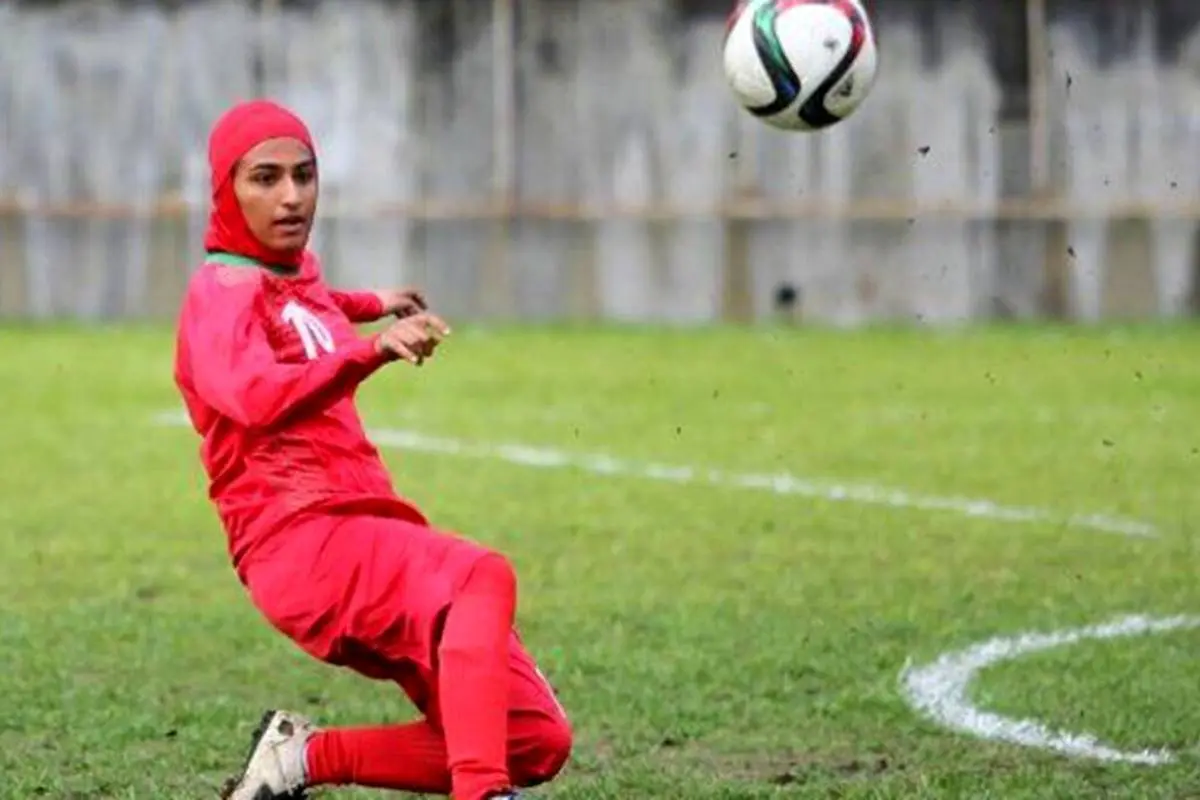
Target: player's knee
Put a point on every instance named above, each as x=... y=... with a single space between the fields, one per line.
x=546 y=754
x=494 y=574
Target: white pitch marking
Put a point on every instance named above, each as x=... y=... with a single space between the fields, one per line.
x=778 y=483
x=939 y=690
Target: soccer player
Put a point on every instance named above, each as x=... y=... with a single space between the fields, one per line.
x=268 y=362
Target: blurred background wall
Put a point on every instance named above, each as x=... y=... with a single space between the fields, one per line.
x=583 y=158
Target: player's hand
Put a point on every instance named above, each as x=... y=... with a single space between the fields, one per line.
x=413 y=338
x=402 y=303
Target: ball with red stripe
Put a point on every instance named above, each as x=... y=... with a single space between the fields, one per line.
x=800 y=65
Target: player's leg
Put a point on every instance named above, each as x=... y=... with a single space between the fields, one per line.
x=408 y=758
x=472 y=679
x=414 y=757
x=539 y=733
x=377 y=595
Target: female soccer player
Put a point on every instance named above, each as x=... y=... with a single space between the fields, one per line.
x=267 y=362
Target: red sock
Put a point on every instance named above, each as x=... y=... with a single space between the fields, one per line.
x=473 y=680
x=408 y=758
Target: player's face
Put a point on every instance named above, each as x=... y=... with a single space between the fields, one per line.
x=276 y=186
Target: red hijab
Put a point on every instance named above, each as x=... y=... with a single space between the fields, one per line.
x=238 y=131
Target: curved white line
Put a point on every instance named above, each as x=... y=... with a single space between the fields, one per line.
x=939 y=690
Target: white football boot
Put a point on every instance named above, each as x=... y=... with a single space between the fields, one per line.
x=275 y=767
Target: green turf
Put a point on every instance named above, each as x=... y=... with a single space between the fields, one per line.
x=709 y=642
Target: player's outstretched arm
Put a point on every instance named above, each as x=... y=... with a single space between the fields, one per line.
x=359 y=307
x=371 y=306
x=234 y=368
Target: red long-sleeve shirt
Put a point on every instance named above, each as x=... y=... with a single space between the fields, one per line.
x=268 y=365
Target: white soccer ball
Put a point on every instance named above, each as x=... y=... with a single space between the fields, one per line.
x=800 y=65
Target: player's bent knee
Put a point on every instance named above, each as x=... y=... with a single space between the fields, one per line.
x=546 y=755
x=493 y=573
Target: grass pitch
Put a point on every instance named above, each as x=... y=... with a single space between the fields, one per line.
x=710 y=641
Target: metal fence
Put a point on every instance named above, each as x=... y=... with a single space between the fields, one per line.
x=583 y=158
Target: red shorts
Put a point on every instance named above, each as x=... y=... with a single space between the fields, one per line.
x=370 y=594
x=363 y=592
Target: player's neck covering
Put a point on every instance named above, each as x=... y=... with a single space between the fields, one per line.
x=238 y=131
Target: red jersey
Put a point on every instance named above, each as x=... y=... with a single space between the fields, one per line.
x=268 y=365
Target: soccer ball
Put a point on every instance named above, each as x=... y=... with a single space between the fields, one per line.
x=800 y=65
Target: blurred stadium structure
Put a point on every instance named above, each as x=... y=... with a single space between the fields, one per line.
x=583 y=158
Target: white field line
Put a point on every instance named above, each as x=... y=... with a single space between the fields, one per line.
x=777 y=483
x=940 y=690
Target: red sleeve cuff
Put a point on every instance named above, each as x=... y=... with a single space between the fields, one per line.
x=365 y=352
x=375 y=303
x=360 y=306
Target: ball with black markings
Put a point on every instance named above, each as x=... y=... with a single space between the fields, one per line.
x=800 y=65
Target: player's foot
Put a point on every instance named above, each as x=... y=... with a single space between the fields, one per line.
x=274 y=769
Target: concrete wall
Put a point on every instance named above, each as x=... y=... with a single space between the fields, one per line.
x=429 y=118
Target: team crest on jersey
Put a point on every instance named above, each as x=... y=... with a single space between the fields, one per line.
x=314 y=336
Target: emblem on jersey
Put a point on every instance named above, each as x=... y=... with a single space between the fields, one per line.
x=314 y=336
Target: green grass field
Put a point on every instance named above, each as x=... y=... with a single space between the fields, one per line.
x=711 y=640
